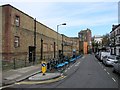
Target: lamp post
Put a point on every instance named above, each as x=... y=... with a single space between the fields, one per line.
x=34 y=58
x=57 y=36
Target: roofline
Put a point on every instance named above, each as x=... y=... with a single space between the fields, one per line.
x=114 y=28
x=29 y=16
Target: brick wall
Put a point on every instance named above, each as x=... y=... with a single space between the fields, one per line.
x=25 y=32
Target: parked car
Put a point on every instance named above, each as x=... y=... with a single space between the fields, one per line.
x=110 y=60
x=103 y=54
x=97 y=55
x=116 y=66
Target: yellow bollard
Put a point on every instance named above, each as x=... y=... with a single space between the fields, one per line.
x=44 y=67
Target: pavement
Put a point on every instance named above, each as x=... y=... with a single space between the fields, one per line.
x=32 y=72
x=47 y=76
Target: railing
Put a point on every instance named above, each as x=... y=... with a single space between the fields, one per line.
x=18 y=63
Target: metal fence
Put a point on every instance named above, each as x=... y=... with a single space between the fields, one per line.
x=18 y=63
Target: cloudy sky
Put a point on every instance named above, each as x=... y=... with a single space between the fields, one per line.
x=99 y=16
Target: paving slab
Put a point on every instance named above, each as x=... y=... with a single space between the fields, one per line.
x=47 y=76
x=12 y=76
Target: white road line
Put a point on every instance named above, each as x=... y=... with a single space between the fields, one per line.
x=65 y=70
x=78 y=62
x=108 y=73
x=68 y=68
x=105 y=69
x=99 y=63
x=76 y=65
x=113 y=79
x=83 y=57
x=72 y=65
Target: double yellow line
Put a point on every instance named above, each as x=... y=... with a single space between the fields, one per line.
x=41 y=82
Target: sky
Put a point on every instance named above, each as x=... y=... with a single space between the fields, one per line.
x=98 y=16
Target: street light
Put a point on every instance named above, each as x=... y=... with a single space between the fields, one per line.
x=57 y=36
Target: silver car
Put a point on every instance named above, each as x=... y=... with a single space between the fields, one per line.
x=116 y=66
x=109 y=60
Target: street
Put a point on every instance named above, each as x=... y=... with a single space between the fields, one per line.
x=86 y=72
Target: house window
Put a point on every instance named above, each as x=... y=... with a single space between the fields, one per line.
x=17 y=21
x=16 y=42
x=45 y=47
x=51 y=47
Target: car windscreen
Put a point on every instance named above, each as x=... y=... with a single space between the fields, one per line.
x=111 y=57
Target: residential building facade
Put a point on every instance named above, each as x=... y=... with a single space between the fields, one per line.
x=85 y=36
x=98 y=39
x=115 y=40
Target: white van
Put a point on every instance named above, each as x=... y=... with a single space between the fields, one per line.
x=102 y=54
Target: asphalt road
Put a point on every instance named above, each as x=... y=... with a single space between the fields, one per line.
x=87 y=72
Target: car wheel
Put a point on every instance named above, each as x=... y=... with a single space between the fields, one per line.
x=105 y=64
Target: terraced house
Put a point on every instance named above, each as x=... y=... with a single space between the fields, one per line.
x=115 y=40
x=24 y=38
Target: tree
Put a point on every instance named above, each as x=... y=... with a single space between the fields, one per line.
x=95 y=46
x=106 y=40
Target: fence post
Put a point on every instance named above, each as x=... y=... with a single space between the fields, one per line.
x=14 y=63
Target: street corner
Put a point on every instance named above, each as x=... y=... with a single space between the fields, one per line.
x=43 y=79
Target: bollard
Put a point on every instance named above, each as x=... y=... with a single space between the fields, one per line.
x=44 y=67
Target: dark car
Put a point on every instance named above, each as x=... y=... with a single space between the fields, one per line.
x=97 y=55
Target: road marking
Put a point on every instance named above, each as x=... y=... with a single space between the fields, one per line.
x=108 y=73
x=99 y=63
x=105 y=69
x=65 y=70
x=83 y=57
x=41 y=82
x=6 y=86
x=113 y=79
x=78 y=62
x=68 y=68
x=72 y=65
x=76 y=65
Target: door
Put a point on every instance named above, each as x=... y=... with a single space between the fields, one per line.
x=31 y=53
